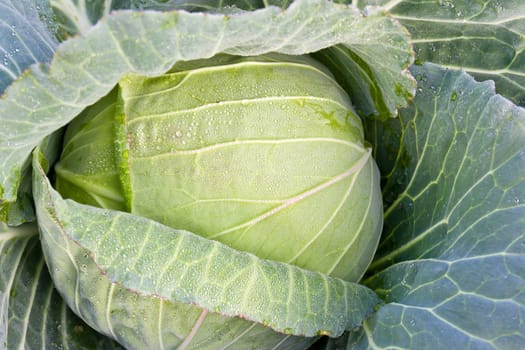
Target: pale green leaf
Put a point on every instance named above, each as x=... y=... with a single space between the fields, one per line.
x=376 y=86
x=450 y=263
x=74 y=17
x=159 y=263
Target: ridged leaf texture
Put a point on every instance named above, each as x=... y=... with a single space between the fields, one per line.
x=450 y=264
x=33 y=315
x=153 y=260
x=484 y=37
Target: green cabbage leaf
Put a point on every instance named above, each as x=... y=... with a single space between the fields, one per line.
x=484 y=38
x=448 y=272
x=450 y=262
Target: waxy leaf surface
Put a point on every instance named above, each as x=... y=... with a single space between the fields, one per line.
x=450 y=263
x=153 y=260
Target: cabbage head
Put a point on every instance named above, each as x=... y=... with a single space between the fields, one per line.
x=264 y=154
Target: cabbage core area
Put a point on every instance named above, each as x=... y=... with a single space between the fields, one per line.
x=264 y=154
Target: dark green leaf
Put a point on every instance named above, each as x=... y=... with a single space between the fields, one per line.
x=450 y=263
x=483 y=37
x=33 y=314
x=24 y=38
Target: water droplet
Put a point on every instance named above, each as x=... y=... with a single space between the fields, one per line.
x=178 y=133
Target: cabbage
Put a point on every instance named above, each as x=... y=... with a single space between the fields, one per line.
x=264 y=154
x=205 y=175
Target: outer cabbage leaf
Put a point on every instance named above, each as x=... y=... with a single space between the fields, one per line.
x=376 y=87
x=450 y=263
x=33 y=314
x=485 y=38
x=87 y=246
x=24 y=40
x=78 y=16
x=85 y=68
